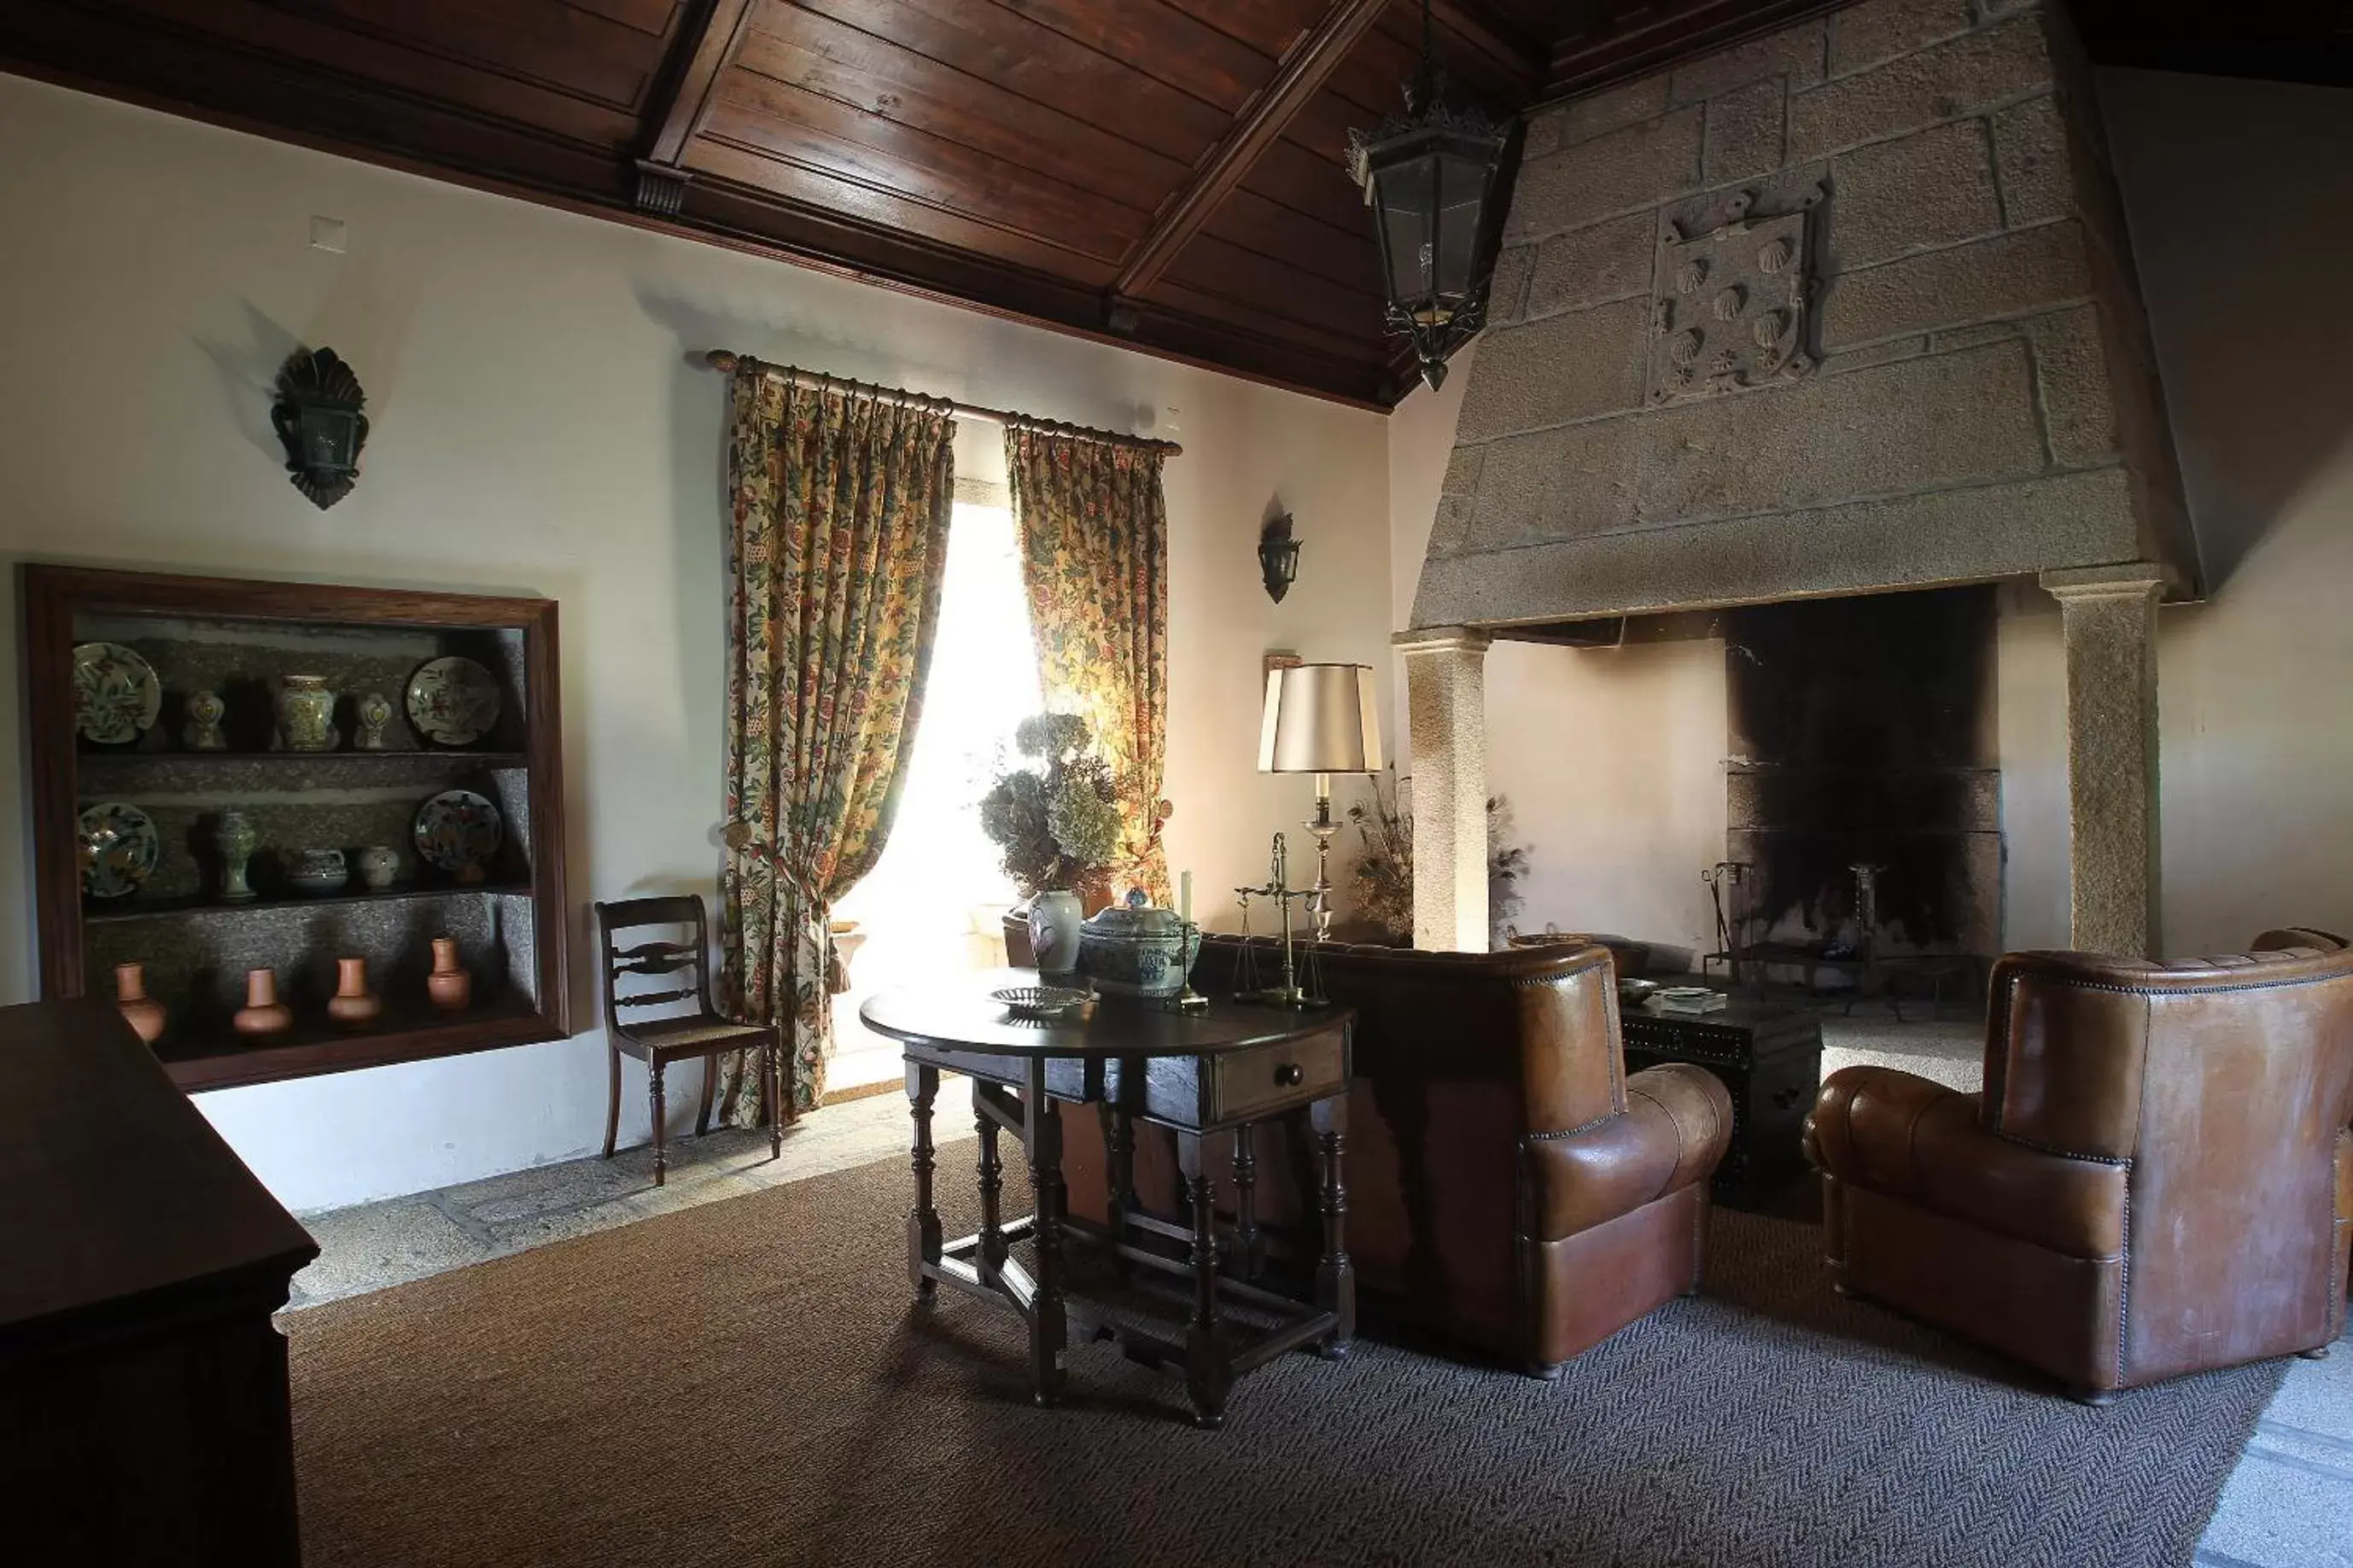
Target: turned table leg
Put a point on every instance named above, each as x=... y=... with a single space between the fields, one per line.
x=992 y=1184
x=1207 y=1376
x=1049 y=1327
x=924 y=1219
x=1335 y=1276
x=1250 y=1242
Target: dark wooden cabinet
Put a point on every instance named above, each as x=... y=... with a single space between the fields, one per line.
x=144 y=1413
x=1769 y=1058
x=239 y=640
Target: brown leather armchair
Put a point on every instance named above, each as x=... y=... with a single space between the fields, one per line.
x=2158 y=1179
x=1510 y=1185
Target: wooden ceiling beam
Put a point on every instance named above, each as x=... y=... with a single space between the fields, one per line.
x=1487 y=34
x=1298 y=78
x=706 y=41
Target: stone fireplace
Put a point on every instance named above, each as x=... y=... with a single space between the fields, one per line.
x=1847 y=310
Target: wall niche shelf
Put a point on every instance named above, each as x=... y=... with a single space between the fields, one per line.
x=238 y=638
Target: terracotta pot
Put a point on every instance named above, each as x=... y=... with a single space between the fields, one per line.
x=449 y=987
x=144 y=1013
x=262 y=1013
x=352 y=1005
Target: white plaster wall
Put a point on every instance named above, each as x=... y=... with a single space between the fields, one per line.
x=541 y=426
x=1611 y=759
x=2235 y=192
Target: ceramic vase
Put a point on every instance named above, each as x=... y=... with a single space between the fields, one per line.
x=262 y=1013
x=1054 y=920
x=236 y=840
x=306 y=714
x=143 y=1012
x=203 y=732
x=374 y=712
x=352 y=1005
x=378 y=865
x=449 y=987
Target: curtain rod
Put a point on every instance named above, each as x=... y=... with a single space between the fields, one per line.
x=722 y=360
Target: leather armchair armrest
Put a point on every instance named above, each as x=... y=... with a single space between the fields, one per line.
x=1903 y=1136
x=1673 y=1131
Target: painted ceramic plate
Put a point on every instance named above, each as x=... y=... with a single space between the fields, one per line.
x=116 y=694
x=458 y=831
x=117 y=849
x=453 y=702
x=1042 y=1002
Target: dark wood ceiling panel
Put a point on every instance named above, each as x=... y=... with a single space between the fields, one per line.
x=1154 y=37
x=1269 y=26
x=803 y=184
x=819 y=55
x=1346 y=256
x=1308 y=183
x=1601 y=44
x=816 y=133
x=573 y=93
x=996 y=47
x=1214 y=266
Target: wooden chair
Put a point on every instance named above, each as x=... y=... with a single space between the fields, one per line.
x=702 y=1032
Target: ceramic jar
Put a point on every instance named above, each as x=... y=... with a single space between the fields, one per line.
x=144 y=1013
x=234 y=838
x=378 y=865
x=317 y=871
x=449 y=987
x=306 y=714
x=352 y=1005
x=203 y=730
x=263 y=1013
x=1054 y=920
x=374 y=711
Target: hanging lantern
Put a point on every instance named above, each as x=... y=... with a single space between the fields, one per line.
x=1431 y=180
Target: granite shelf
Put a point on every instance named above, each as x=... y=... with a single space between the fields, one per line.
x=161 y=908
x=213 y=1055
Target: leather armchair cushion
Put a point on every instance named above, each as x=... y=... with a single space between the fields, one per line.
x=1671 y=1134
x=1907 y=1138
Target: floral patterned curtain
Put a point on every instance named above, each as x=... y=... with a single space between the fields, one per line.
x=839 y=504
x=1094 y=560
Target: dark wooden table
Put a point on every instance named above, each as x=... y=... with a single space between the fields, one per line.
x=1220 y=1070
x=1768 y=1056
x=143 y=1415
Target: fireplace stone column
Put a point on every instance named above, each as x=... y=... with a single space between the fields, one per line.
x=2110 y=615
x=1446 y=715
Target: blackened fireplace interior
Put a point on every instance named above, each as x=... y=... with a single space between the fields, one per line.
x=1862 y=735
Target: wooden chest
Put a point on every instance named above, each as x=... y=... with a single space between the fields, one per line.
x=1771 y=1058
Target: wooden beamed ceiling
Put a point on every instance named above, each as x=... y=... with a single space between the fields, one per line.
x=1165 y=173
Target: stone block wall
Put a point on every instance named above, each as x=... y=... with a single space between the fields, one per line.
x=1983 y=402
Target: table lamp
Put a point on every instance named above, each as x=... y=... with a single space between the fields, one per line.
x=1321 y=718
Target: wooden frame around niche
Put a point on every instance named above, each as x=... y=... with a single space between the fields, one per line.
x=52 y=596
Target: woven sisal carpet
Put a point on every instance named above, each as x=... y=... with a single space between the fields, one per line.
x=745 y=1384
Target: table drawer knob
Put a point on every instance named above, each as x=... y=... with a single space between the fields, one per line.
x=1290 y=1075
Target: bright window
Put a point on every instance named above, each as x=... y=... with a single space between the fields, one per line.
x=930 y=906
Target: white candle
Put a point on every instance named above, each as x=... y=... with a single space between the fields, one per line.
x=1184 y=899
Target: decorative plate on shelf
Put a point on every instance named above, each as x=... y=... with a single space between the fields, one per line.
x=118 y=848
x=453 y=702
x=458 y=831
x=116 y=694
x=1042 y=1001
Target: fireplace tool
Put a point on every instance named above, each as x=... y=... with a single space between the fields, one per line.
x=1722 y=875
x=1300 y=986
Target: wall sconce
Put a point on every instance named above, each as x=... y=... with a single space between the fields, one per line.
x=318 y=416
x=1278 y=557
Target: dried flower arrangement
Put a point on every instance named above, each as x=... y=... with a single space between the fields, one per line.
x=1054 y=814
x=1384 y=875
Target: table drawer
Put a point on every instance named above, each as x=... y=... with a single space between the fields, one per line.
x=1240 y=1085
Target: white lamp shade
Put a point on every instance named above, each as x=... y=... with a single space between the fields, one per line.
x=1320 y=719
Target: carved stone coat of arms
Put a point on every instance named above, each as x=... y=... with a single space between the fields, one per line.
x=1728 y=307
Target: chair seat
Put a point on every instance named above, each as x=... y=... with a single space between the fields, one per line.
x=693 y=1035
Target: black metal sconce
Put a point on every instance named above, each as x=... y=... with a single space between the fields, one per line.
x=1431 y=178
x=1278 y=557
x=318 y=416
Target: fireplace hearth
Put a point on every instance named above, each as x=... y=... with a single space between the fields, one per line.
x=1862 y=791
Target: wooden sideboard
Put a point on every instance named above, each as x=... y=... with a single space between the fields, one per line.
x=143 y=1415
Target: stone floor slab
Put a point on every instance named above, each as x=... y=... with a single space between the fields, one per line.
x=376 y=1244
